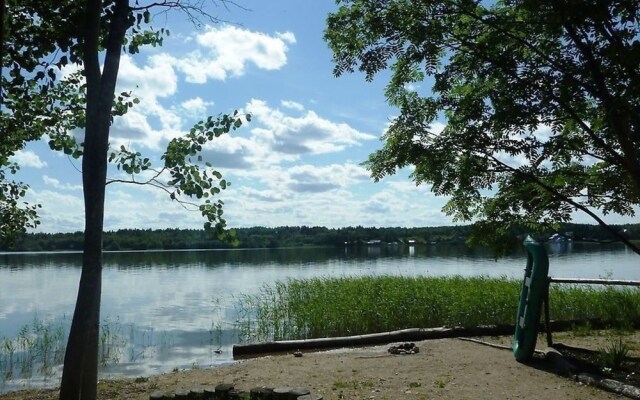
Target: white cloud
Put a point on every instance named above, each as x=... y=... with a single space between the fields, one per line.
x=277 y=137
x=148 y=123
x=310 y=178
x=407 y=186
x=338 y=207
x=27 y=158
x=61 y=212
x=58 y=185
x=286 y=36
x=233 y=152
x=292 y=105
x=156 y=79
x=305 y=179
x=133 y=126
x=309 y=133
x=262 y=195
x=226 y=51
x=196 y=106
x=411 y=87
x=222 y=52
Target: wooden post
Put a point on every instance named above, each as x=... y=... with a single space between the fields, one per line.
x=182 y=394
x=237 y=394
x=281 y=393
x=295 y=393
x=222 y=391
x=547 y=317
x=209 y=393
x=159 y=396
x=261 y=393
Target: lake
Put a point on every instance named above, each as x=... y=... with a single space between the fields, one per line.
x=177 y=309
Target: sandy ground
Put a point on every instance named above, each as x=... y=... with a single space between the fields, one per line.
x=443 y=369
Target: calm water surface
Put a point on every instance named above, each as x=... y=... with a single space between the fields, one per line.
x=166 y=310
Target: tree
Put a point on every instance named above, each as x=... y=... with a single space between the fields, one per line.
x=40 y=40
x=541 y=101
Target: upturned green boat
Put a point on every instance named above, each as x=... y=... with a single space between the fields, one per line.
x=532 y=295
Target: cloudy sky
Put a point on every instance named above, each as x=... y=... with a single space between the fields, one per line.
x=296 y=163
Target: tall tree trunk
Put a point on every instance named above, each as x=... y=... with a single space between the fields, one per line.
x=80 y=372
x=2 y=28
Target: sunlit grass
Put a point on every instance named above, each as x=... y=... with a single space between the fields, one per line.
x=328 y=306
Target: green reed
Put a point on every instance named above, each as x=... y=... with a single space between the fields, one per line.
x=37 y=350
x=38 y=347
x=327 y=306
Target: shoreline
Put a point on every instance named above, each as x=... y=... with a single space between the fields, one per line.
x=443 y=369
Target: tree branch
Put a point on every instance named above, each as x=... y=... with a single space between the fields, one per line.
x=161 y=186
x=471 y=46
x=551 y=190
x=193 y=10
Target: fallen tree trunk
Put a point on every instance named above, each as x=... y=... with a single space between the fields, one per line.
x=404 y=335
x=609 y=385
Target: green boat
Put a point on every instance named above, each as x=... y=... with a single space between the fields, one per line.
x=532 y=295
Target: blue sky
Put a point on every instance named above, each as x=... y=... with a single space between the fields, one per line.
x=296 y=163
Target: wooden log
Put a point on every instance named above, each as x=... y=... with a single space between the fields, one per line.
x=157 y=396
x=310 y=397
x=222 y=391
x=196 y=394
x=297 y=392
x=281 y=393
x=237 y=394
x=261 y=393
x=182 y=394
x=404 y=335
x=609 y=385
x=209 y=393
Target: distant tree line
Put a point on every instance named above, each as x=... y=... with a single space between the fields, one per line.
x=290 y=236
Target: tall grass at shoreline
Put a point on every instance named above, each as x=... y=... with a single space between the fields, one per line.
x=341 y=306
x=37 y=351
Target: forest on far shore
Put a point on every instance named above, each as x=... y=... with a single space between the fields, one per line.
x=288 y=236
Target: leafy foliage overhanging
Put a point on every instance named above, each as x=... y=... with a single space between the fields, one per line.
x=541 y=100
x=43 y=94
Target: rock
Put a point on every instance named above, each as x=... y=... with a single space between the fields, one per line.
x=404 y=348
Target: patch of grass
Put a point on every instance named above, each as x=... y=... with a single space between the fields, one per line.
x=611 y=357
x=339 y=384
x=340 y=306
x=440 y=383
x=415 y=384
